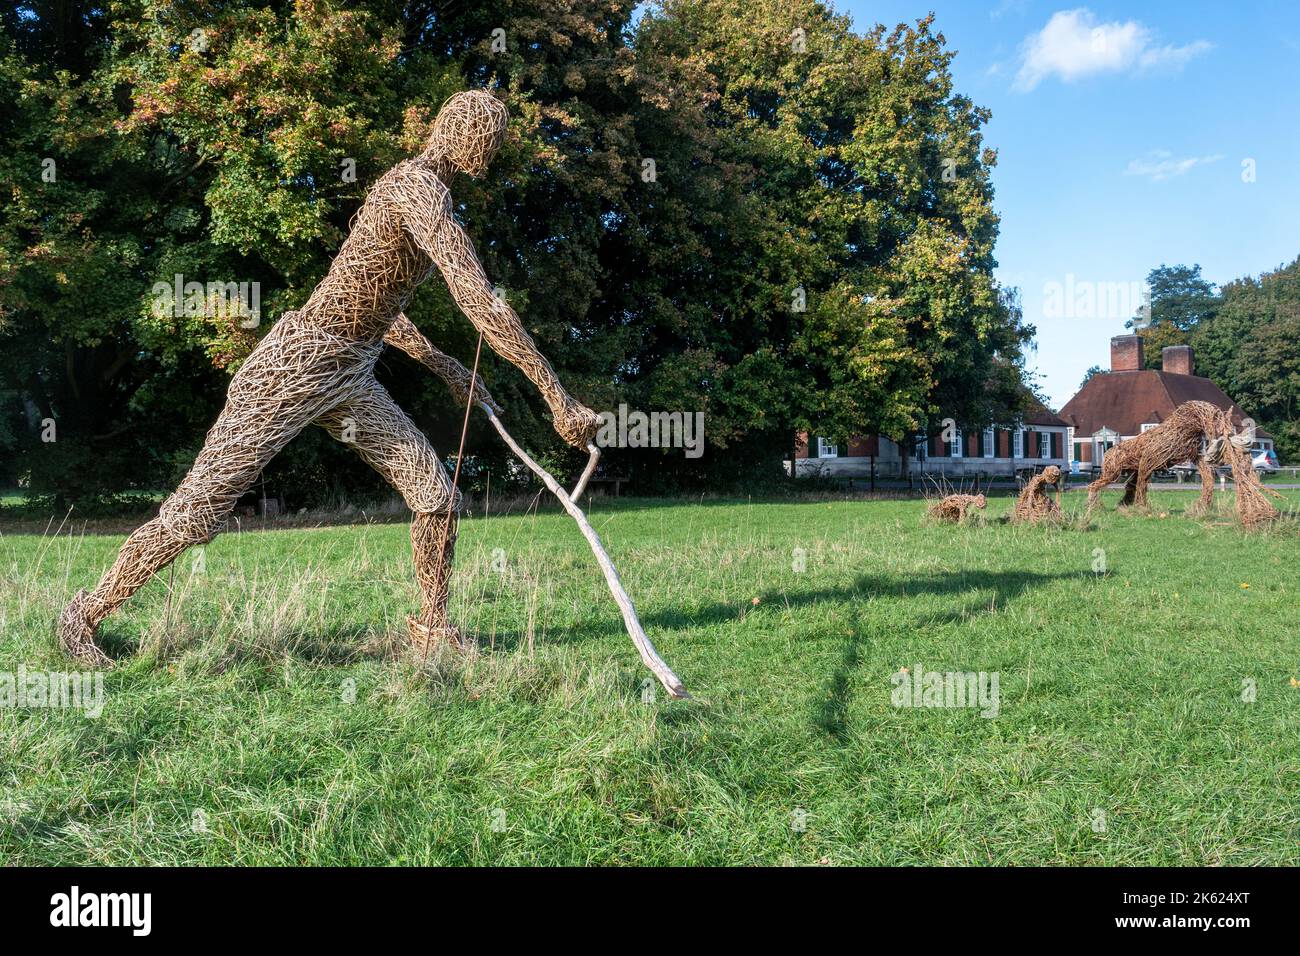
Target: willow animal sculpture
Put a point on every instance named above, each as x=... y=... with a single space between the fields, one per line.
x=956 y=508
x=317 y=366
x=1195 y=431
x=1034 y=505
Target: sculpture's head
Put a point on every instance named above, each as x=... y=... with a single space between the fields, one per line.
x=468 y=131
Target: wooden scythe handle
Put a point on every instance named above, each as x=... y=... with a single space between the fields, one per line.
x=672 y=683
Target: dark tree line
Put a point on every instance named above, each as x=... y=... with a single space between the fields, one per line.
x=741 y=207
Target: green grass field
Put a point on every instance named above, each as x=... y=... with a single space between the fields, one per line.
x=276 y=721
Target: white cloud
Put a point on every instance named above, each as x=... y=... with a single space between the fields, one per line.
x=1160 y=164
x=1074 y=45
x=1008 y=7
x=1172 y=56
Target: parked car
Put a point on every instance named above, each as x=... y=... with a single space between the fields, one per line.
x=1264 y=459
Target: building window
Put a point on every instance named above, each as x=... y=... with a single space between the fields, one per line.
x=1147 y=426
x=954 y=446
x=1044 y=444
x=989 y=450
x=827 y=449
x=922 y=447
x=1018 y=442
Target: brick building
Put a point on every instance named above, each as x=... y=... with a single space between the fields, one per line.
x=1041 y=439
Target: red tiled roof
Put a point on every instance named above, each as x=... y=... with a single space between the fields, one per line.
x=1039 y=415
x=1125 y=401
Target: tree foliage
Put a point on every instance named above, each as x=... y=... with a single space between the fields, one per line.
x=1244 y=338
x=744 y=208
x=1249 y=347
x=1180 y=299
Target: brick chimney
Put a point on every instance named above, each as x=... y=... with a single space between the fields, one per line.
x=1126 y=353
x=1177 y=359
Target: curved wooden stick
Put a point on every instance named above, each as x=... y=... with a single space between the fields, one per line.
x=672 y=683
x=592 y=460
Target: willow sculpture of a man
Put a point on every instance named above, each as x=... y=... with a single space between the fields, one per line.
x=317 y=366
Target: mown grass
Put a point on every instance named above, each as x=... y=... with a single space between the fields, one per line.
x=1121 y=696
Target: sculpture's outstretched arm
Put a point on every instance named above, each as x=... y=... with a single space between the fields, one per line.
x=426 y=216
x=403 y=335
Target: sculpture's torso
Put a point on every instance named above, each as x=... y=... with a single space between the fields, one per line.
x=379 y=266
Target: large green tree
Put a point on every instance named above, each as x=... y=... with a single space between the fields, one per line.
x=1180 y=299
x=865 y=302
x=742 y=208
x=1250 y=348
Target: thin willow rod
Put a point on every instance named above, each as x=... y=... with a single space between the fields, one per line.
x=649 y=656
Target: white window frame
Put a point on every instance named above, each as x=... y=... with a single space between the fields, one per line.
x=1018 y=442
x=1045 y=435
x=827 y=449
x=990 y=443
x=1147 y=426
x=954 y=446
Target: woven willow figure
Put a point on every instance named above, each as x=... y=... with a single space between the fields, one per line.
x=956 y=508
x=1191 y=427
x=1034 y=504
x=317 y=366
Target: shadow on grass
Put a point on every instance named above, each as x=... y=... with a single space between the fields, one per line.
x=832 y=711
x=1006 y=585
x=831 y=715
x=578 y=633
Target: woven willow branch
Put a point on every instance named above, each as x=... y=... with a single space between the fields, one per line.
x=317 y=366
x=956 y=508
x=1179 y=438
x=1034 y=505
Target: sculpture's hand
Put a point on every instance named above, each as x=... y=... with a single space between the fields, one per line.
x=457 y=378
x=481 y=396
x=403 y=334
x=576 y=423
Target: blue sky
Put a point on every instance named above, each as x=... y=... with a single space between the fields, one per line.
x=1121 y=131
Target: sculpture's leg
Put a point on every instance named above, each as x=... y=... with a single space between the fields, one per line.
x=149 y=549
x=1095 y=488
x=1130 y=490
x=433 y=545
x=389 y=442
x=1205 y=502
x=1141 y=479
x=236 y=450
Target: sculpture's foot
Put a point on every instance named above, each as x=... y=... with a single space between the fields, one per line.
x=427 y=639
x=77 y=636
